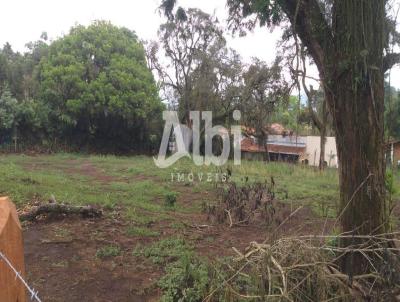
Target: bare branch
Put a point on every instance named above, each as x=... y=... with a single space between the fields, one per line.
x=311 y=26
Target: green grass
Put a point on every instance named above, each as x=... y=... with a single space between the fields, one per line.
x=141 y=187
x=187 y=276
x=24 y=185
x=25 y=178
x=165 y=251
x=108 y=251
x=141 y=232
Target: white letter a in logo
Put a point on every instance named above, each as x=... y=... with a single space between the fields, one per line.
x=171 y=120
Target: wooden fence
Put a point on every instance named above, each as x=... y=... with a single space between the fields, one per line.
x=11 y=245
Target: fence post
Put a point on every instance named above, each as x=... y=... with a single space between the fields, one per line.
x=11 y=245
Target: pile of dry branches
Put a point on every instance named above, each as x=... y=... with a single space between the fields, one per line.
x=304 y=269
x=239 y=205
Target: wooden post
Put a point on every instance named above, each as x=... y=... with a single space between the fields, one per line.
x=11 y=245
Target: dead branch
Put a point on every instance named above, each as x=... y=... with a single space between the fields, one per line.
x=60 y=209
x=230 y=217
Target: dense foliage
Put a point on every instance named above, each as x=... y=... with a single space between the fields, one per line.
x=90 y=89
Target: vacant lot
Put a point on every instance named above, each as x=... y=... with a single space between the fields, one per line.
x=152 y=218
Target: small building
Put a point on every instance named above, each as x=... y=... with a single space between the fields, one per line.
x=279 y=148
x=283 y=145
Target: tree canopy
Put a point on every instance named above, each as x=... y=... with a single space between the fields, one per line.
x=92 y=85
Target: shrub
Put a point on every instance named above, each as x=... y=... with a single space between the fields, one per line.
x=108 y=251
x=170 y=199
x=166 y=250
x=186 y=280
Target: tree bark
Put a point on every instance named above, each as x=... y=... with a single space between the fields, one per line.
x=264 y=142
x=323 y=132
x=356 y=97
x=349 y=57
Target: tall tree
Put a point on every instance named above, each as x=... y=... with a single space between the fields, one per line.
x=188 y=38
x=264 y=89
x=218 y=84
x=99 y=90
x=347 y=41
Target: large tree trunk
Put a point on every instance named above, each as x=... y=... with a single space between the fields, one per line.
x=356 y=98
x=361 y=169
x=264 y=139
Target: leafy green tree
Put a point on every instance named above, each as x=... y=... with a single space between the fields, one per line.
x=264 y=89
x=287 y=113
x=100 y=93
x=189 y=38
x=24 y=119
x=8 y=111
x=12 y=75
x=218 y=84
x=17 y=71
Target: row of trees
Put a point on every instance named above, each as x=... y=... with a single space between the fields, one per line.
x=93 y=88
x=90 y=90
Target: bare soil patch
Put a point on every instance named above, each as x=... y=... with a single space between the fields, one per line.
x=62 y=264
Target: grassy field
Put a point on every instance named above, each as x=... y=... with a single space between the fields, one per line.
x=146 y=230
x=136 y=181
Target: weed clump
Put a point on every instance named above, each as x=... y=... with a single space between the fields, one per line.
x=239 y=205
x=170 y=199
x=108 y=251
x=187 y=276
x=166 y=250
x=186 y=279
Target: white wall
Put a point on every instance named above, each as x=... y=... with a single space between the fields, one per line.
x=313 y=151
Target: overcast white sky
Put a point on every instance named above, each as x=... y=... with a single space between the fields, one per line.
x=22 y=21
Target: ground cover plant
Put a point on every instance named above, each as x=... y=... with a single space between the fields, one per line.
x=142 y=234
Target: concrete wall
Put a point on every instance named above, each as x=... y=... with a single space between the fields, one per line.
x=313 y=151
x=11 y=245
